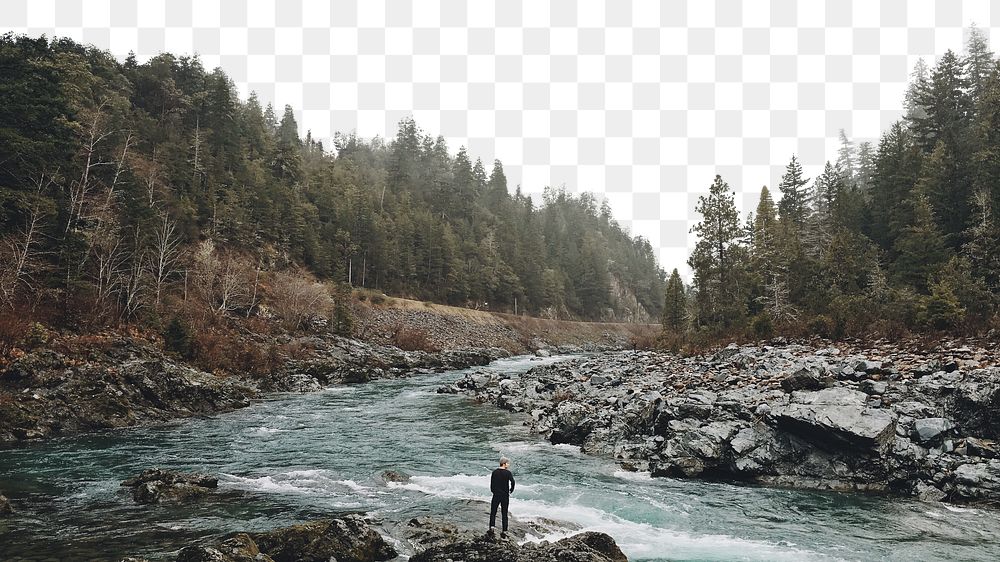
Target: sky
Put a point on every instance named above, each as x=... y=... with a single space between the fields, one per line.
x=641 y=103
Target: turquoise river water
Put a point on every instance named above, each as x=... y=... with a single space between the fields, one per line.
x=296 y=457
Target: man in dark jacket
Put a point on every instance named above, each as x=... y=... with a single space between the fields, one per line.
x=501 y=484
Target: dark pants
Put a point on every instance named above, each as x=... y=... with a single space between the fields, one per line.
x=502 y=500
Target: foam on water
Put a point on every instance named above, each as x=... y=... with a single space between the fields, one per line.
x=633 y=476
x=637 y=540
x=314 y=482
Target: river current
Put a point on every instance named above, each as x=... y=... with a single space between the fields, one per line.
x=292 y=458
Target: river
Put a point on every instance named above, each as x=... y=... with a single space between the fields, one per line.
x=296 y=457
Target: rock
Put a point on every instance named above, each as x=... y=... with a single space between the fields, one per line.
x=874 y=387
x=929 y=493
x=866 y=366
x=5 y=507
x=239 y=548
x=582 y=547
x=347 y=539
x=156 y=486
x=978 y=481
x=598 y=380
x=929 y=429
x=981 y=447
x=837 y=416
x=805 y=379
x=394 y=476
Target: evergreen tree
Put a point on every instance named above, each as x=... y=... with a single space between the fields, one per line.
x=674 y=306
x=979 y=62
x=920 y=249
x=718 y=259
x=793 y=207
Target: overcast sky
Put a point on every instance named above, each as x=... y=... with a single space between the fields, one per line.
x=639 y=102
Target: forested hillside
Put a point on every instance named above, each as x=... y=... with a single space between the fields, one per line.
x=897 y=237
x=125 y=186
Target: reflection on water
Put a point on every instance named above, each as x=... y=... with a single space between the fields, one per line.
x=297 y=457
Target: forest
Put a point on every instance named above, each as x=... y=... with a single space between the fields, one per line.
x=131 y=192
x=887 y=240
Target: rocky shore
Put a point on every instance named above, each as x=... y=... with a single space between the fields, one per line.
x=904 y=418
x=122 y=382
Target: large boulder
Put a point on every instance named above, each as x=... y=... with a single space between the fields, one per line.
x=977 y=481
x=837 y=418
x=582 y=547
x=347 y=539
x=5 y=508
x=238 y=548
x=806 y=378
x=156 y=486
x=929 y=429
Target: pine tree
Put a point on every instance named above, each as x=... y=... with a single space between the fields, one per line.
x=793 y=207
x=674 y=305
x=920 y=249
x=979 y=62
x=897 y=168
x=846 y=160
x=914 y=111
x=717 y=259
x=946 y=101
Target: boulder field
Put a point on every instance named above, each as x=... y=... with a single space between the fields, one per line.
x=899 y=418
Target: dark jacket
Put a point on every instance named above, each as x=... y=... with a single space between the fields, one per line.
x=499 y=482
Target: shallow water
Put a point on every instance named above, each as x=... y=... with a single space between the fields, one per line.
x=296 y=457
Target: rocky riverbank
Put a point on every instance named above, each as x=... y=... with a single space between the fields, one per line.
x=120 y=381
x=903 y=418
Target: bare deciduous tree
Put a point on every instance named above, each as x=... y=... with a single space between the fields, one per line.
x=297 y=299
x=224 y=282
x=20 y=249
x=162 y=260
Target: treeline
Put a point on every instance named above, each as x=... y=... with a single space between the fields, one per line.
x=127 y=188
x=890 y=239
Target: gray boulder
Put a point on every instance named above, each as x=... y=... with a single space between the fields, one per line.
x=806 y=378
x=837 y=417
x=156 y=486
x=929 y=429
x=974 y=481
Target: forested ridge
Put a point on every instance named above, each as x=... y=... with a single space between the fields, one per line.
x=126 y=188
x=888 y=239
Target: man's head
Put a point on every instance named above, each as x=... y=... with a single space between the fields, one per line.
x=504 y=462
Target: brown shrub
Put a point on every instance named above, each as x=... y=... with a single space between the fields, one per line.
x=222 y=352
x=412 y=339
x=298 y=299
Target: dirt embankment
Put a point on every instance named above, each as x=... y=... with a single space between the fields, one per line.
x=397 y=321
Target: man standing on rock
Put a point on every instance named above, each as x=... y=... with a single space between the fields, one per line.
x=499 y=482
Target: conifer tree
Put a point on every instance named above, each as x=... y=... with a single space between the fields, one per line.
x=793 y=207
x=717 y=259
x=674 y=306
x=920 y=248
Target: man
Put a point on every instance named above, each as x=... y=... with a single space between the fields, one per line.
x=499 y=482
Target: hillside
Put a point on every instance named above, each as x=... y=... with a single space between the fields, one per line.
x=127 y=187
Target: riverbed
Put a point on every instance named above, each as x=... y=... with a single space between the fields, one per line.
x=296 y=457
